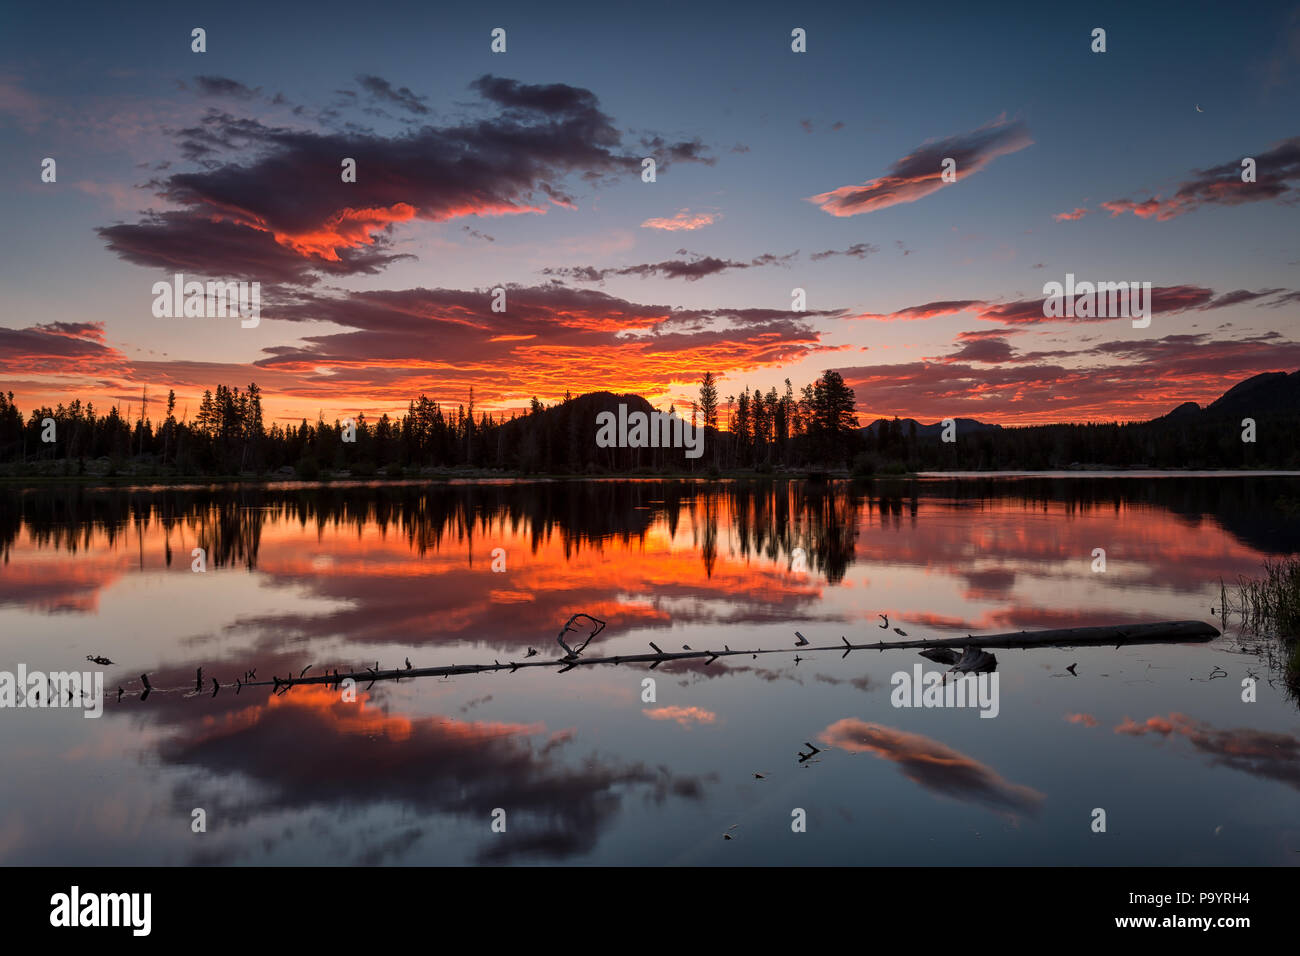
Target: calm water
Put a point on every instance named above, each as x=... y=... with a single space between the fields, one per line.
x=585 y=770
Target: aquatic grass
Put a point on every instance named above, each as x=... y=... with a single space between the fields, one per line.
x=1270 y=606
x=1272 y=603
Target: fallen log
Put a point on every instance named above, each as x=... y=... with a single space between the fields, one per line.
x=1162 y=632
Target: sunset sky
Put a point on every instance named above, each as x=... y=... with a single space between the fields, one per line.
x=776 y=170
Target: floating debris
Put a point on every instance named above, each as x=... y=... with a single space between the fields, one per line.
x=940 y=655
x=974 y=661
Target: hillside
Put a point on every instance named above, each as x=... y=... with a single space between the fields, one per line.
x=965 y=426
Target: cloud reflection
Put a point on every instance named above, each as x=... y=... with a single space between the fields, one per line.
x=935 y=766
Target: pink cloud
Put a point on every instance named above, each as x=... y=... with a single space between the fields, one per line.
x=686 y=716
x=685 y=220
x=919 y=173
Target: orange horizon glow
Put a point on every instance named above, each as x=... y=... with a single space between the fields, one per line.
x=289 y=408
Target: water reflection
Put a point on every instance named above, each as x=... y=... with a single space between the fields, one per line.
x=1274 y=756
x=586 y=767
x=935 y=766
x=309 y=749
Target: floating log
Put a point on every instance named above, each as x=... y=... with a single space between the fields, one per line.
x=1163 y=632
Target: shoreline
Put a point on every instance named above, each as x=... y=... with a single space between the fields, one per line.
x=482 y=476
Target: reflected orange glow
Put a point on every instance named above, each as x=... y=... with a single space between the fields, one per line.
x=715 y=557
x=355 y=719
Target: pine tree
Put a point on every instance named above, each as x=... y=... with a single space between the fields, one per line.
x=709 y=400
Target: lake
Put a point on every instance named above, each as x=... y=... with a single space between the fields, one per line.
x=581 y=767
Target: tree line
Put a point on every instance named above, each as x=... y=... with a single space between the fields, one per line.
x=228 y=435
x=751 y=431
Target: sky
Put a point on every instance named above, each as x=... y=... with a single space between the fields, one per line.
x=775 y=170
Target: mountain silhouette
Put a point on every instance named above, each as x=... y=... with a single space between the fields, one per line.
x=965 y=426
x=1268 y=393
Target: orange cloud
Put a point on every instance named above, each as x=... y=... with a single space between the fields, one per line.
x=684 y=220
x=1078 y=213
x=345 y=229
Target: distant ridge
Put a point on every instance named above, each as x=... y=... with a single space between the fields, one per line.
x=1189 y=436
x=1264 y=394
x=964 y=426
x=1260 y=396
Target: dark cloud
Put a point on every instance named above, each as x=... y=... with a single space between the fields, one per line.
x=402 y=98
x=928 y=310
x=859 y=250
x=691 y=268
x=52 y=346
x=236 y=216
x=1240 y=296
x=1164 y=300
x=186 y=243
x=224 y=86
x=982 y=350
x=216 y=133
x=554 y=98
x=685 y=151
x=1277 y=173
